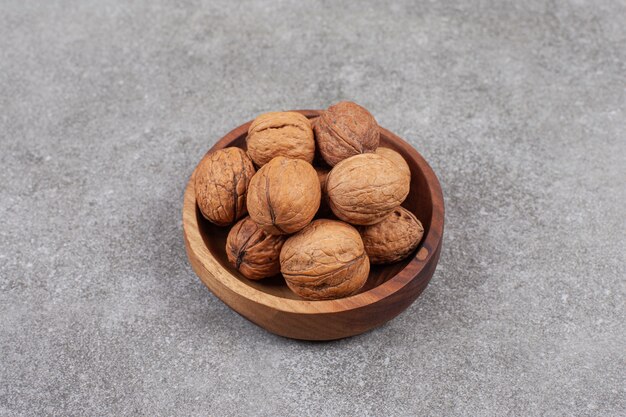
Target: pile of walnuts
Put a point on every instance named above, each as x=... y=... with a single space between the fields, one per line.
x=354 y=192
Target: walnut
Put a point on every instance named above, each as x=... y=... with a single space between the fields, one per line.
x=345 y=129
x=252 y=251
x=394 y=238
x=284 y=195
x=287 y=134
x=322 y=175
x=221 y=184
x=365 y=188
x=394 y=157
x=325 y=260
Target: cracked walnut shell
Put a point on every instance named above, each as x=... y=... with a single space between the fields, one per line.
x=287 y=134
x=394 y=238
x=221 y=184
x=365 y=188
x=252 y=251
x=344 y=130
x=284 y=195
x=326 y=260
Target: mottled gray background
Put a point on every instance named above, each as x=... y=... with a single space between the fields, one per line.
x=106 y=106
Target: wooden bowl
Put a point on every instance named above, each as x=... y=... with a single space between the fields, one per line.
x=270 y=304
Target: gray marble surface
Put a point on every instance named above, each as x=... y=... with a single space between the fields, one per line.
x=106 y=106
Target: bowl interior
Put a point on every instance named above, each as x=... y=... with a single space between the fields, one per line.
x=419 y=202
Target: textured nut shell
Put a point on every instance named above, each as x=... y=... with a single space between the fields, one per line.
x=284 y=195
x=394 y=157
x=365 y=188
x=287 y=134
x=394 y=238
x=344 y=130
x=322 y=175
x=221 y=184
x=326 y=260
x=252 y=251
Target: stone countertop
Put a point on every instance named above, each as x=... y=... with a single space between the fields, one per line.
x=106 y=107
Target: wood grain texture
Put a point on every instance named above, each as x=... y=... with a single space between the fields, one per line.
x=389 y=290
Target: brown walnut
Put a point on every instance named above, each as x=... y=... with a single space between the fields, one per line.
x=284 y=195
x=394 y=157
x=344 y=130
x=365 y=188
x=324 y=210
x=252 y=251
x=287 y=134
x=394 y=238
x=221 y=184
x=325 y=260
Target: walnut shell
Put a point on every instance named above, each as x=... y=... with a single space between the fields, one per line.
x=325 y=260
x=344 y=130
x=394 y=157
x=322 y=175
x=365 y=188
x=253 y=252
x=394 y=238
x=284 y=195
x=287 y=134
x=221 y=184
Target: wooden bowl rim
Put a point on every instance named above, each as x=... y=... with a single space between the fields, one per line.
x=390 y=287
